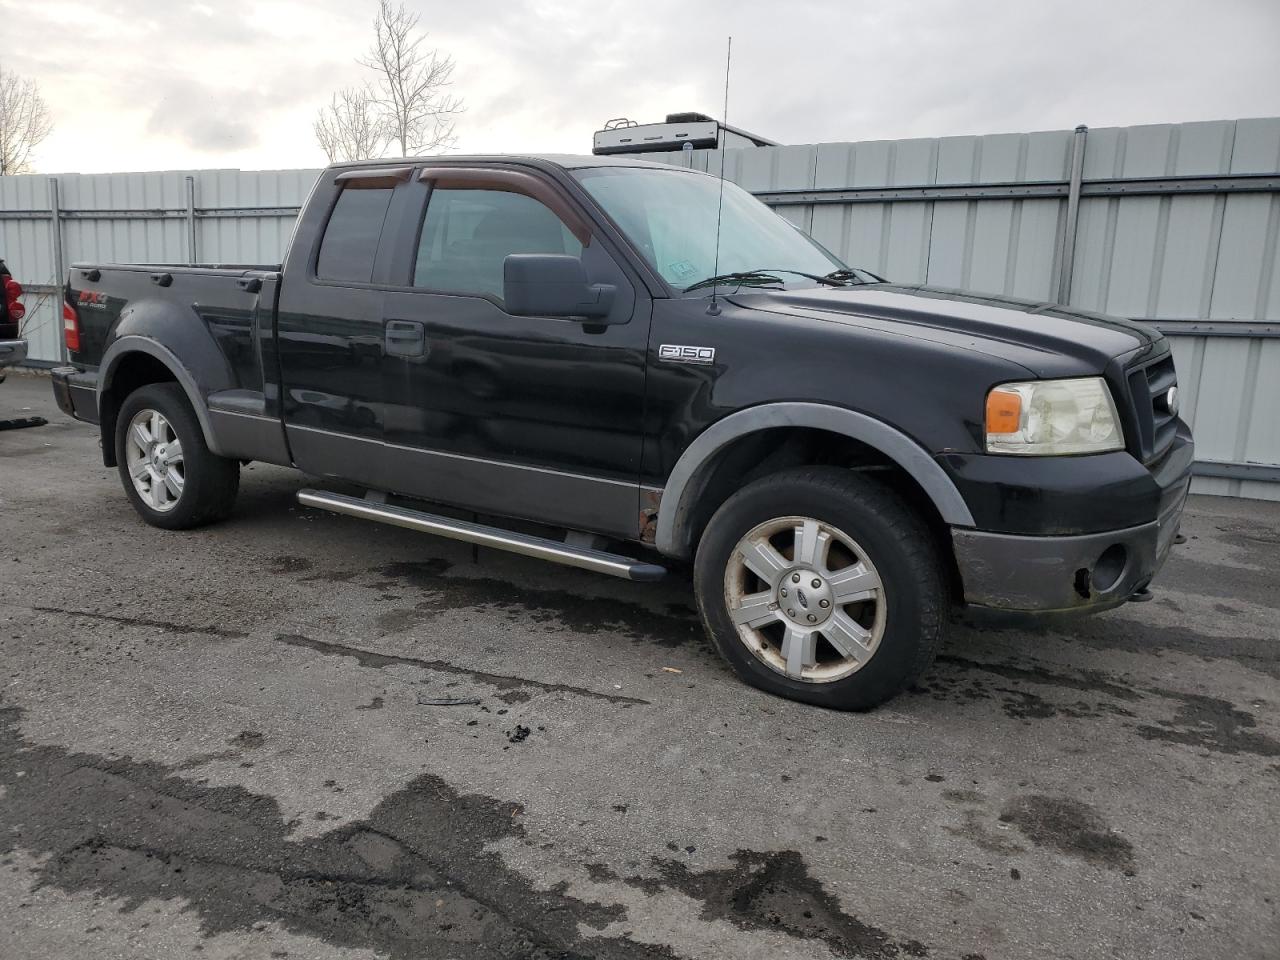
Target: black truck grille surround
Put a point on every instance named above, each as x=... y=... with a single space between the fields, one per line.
x=1149 y=386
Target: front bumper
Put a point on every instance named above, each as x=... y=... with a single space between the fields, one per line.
x=1084 y=572
x=76 y=393
x=12 y=352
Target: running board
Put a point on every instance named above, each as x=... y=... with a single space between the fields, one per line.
x=556 y=551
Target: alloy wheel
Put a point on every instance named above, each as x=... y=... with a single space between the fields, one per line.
x=154 y=455
x=806 y=599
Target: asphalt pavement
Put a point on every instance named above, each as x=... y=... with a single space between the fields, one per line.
x=304 y=735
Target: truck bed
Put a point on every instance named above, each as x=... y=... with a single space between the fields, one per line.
x=222 y=301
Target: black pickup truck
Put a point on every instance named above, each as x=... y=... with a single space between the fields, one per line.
x=562 y=342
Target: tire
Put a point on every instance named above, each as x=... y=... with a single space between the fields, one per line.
x=205 y=484
x=847 y=640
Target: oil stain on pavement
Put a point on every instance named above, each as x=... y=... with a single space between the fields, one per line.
x=552 y=608
x=773 y=891
x=1071 y=827
x=1207 y=723
x=413 y=879
x=564 y=610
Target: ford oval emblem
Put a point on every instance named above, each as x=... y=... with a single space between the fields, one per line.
x=1171 y=401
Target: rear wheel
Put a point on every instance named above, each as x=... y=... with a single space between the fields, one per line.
x=821 y=585
x=172 y=478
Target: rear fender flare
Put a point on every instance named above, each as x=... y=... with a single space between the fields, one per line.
x=127 y=345
x=680 y=492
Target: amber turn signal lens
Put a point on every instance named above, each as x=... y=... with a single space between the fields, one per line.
x=1004 y=411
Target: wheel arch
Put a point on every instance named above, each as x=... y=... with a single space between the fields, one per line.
x=678 y=519
x=134 y=361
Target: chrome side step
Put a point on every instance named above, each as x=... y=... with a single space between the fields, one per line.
x=543 y=549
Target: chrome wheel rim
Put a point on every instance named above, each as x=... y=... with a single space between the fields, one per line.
x=153 y=453
x=805 y=599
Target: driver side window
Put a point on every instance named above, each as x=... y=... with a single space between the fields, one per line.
x=468 y=234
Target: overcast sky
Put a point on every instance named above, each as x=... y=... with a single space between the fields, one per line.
x=167 y=84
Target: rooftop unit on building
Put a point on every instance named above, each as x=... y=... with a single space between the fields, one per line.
x=697 y=129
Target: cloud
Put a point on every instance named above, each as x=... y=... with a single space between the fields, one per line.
x=166 y=83
x=203 y=120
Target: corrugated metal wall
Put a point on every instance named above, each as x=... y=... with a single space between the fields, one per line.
x=236 y=217
x=987 y=213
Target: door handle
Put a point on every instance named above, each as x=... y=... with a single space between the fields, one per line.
x=405 y=338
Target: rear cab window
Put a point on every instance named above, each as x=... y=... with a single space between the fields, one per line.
x=350 y=241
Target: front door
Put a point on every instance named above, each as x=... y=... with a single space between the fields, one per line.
x=532 y=417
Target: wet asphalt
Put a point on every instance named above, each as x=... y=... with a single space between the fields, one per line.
x=302 y=735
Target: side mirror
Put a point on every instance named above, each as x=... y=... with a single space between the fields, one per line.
x=553 y=285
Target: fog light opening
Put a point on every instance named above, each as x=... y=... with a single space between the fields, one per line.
x=1081 y=583
x=1110 y=565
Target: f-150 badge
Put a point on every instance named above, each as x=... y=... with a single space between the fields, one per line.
x=682 y=354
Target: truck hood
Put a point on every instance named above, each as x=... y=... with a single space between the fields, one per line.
x=1046 y=338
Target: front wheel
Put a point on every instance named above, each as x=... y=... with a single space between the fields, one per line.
x=171 y=476
x=821 y=585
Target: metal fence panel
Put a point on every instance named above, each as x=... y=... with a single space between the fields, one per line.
x=214 y=216
x=26 y=247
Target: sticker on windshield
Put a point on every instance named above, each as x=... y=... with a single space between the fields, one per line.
x=681 y=270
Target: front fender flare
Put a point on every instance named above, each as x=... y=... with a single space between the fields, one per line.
x=682 y=486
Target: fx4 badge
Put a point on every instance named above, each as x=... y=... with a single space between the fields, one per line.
x=681 y=354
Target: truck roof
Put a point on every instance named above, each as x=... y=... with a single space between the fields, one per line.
x=566 y=161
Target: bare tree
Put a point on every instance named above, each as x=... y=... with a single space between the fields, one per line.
x=352 y=126
x=24 y=122
x=412 y=82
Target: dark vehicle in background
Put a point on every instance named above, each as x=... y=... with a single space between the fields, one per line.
x=13 y=349
x=546 y=340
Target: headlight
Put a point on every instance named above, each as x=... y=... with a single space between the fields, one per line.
x=1047 y=417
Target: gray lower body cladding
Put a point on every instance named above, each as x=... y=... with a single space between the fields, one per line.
x=76 y=393
x=1090 y=572
x=12 y=352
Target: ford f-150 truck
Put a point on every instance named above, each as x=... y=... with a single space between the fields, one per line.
x=593 y=346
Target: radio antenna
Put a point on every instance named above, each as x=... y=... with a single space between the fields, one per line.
x=714 y=308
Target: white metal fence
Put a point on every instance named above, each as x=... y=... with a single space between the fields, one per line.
x=1177 y=225
x=210 y=216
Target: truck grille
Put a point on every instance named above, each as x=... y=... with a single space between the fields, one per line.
x=1149 y=386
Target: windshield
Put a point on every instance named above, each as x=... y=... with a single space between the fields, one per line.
x=671 y=218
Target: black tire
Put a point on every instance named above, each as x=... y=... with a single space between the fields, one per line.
x=895 y=540
x=211 y=482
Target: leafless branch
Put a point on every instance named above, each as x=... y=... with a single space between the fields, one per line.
x=352 y=126
x=412 y=82
x=24 y=122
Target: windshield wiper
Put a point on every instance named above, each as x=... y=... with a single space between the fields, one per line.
x=745 y=278
x=829 y=280
x=765 y=275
